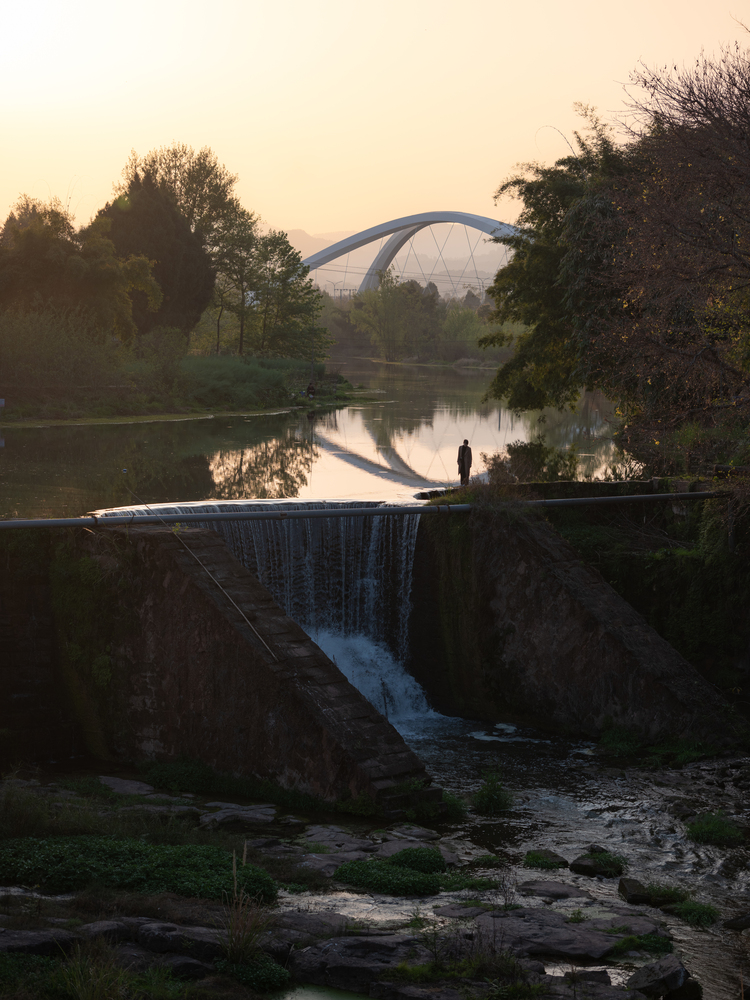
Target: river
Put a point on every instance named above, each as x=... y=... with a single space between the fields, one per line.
x=404 y=441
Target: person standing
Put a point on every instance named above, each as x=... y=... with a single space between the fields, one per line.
x=464 y=462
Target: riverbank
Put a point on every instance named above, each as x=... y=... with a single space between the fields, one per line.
x=495 y=917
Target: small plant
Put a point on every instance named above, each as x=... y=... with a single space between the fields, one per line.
x=654 y=944
x=715 y=828
x=419 y=859
x=380 y=876
x=610 y=864
x=245 y=919
x=454 y=808
x=661 y=895
x=261 y=974
x=93 y=974
x=577 y=917
x=492 y=798
x=542 y=860
x=695 y=914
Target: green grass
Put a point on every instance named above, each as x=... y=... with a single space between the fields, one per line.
x=261 y=974
x=716 y=829
x=662 y=895
x=454 y=808
x=492 y=798
x=695 y=914
x=419 y=859
x=654 y=944
x=537 y=859
x=391 y=879
x=65 y=864
x=611 y=864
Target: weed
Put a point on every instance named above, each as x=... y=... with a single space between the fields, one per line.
x=454 y=808
x=64 y=864
x=380 y=876
x=246 y=920
x=610 y=864
x=577 y=917
x=695 y=914
x=654 y=944
x=91 y=973
x=261 y=974
x=661 y=895
x=491 y=798
x=715 y=828
x=419 y=859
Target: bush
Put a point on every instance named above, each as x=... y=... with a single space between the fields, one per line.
x=419 y=859
x=389 y=879
x=65 y=864
x=715 y=828
x=454 y=809
x=262 y=974
x=492 y=798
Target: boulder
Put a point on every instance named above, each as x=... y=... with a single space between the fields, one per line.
x=391 y=847
x=202 y=943
x=124 y=786
x=589 y=976
x=353 y=963
x=112 y=930
x=587 y=864
x=739 y=923
x=185 y=967
x=559 y=860
x=133 y=957
x=223 y=817
x=660 y=978
x=292 y=930
x=36 y=942
x=408 y=831
x=633 y=891
x=459 y=912
x=328 y=864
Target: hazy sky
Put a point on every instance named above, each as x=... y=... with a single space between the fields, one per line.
x=337 y=115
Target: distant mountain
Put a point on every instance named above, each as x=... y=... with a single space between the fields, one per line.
x=307 y=244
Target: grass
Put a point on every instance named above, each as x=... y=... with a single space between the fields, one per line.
x=419 y=859
x=392 y=879
x=695 y=914
x=492 y=798
x=716 y=829
x=577 y=917
x=662 y=895
x=246 y=920
x=540 y=859
x=654 y=944
x=261 y=974
x=619 y=741
x=65 y=864
x=612 y=865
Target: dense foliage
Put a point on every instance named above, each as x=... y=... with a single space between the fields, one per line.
x=64 y=864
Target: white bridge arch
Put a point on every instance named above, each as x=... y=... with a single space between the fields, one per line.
x=400 y=232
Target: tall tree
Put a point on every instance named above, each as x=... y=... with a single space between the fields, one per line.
x=284 y=304
x=202 y=188
x=380 y=312
x=237 y=261
x=145 y=220
x=45 y=263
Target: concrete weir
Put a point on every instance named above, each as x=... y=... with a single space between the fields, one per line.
x=204 y=663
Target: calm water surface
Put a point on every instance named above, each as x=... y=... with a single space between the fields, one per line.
x=403 y=442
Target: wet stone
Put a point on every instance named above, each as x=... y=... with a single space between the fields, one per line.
x=36 y=942
x=633 y=891
x=739 y=923
x=407 y=830
x=459 y=912
x=553 y=890
x=660 y=978
x=124 y=786
x=112 y=930
x=199 y=942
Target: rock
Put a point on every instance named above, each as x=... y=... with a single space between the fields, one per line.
x=133 y=957
x=36 y=942
x=664 y=976
x=295 y=930
x=596 y=849
x=541 y=931
x=409 y=831
x=401 y=991
x=740 y=923
x=223 y=817
x=553 y=890
x=589 y=976
x=353 y=963
x=691 y=990
x=199 y=942
x=459 y=912
x=559 y=860
x=633 y=891
x=124 y=786
x=185 y=967
x=328 y=864
x=112 y=930
x=391 y=847
x=587 y=864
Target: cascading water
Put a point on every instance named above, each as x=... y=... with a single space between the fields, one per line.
x=345 y=580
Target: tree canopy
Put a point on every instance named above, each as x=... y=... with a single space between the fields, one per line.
x=146 y=221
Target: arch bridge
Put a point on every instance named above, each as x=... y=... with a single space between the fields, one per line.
x=400 y=232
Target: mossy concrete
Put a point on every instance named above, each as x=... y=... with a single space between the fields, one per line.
x=508 y=621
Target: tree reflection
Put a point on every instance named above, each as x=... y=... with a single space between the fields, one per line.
x=270 y=470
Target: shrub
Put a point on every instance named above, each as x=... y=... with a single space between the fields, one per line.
x=419 y=859
x=491 y=798
x=261 y=974
x=381 y=876
x=454 y=809
x=65 y=864
x=715 y=828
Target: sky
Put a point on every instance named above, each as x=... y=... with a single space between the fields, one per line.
x=336 y=115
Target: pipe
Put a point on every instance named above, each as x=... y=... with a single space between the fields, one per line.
x=99 y=521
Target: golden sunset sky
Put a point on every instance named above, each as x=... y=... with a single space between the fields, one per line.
x=336 y=115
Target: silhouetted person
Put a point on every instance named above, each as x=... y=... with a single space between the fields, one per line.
x=311 y=391
x=464 y=462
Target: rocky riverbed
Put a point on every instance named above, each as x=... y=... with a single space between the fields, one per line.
x=570 y=934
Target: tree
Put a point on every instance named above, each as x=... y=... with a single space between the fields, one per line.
x=46 y=264
x=236 y=258
x=202 y=188
x=547 y=367
x=283 y=304
x=146 y=221
x=379 y=311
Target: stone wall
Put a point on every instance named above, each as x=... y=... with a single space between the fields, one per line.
x=167 y=656
x=507 y=620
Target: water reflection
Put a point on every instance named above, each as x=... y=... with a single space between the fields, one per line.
x=404 y=440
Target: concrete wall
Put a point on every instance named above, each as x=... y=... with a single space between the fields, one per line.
x=177 y=663
x=508 y=620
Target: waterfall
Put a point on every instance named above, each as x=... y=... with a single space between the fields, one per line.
x=346 y=575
